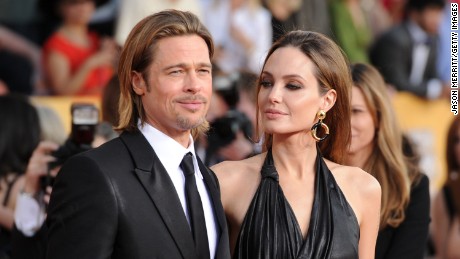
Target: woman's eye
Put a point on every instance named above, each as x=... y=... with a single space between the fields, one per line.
x=265 y=83
x=293 y=86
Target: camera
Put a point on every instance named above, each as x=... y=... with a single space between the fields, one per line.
x=223 y=130
x=85 y=118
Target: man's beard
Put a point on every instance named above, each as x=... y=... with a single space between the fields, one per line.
x=185 y=124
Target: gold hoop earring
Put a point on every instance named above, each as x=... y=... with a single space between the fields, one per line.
x=321 y=115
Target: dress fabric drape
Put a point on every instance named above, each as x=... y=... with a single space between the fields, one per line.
x=270 y=228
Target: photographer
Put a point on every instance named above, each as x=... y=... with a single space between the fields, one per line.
x=29 y=236
x=229 y=137
x=29 y=233
x=18 y=139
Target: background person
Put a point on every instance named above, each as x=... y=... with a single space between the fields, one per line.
x=406 y=54
x=377 y=147
x=19 y=136
x=77 y=61
x=446 y=204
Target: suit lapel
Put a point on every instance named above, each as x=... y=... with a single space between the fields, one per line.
x=222 y=250
x=158 y=185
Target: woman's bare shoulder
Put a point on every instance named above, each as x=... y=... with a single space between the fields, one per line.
x=238 y=182
x=227 y=170
x=360 y=188
x=354 y=176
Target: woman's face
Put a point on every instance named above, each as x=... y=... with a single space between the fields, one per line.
x=77 y=11
x=362 y=124
x=289 y=96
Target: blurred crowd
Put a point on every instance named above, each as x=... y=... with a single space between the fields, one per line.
x=71 y=48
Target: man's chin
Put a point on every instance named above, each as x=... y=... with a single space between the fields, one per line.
x=190 y=123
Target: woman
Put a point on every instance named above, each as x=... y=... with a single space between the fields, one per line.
x=289 y=201
x=19 y=136
x=76 y=61
x=446 y=205
x=377 y=146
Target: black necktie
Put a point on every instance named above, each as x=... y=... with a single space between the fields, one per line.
x=195 y=208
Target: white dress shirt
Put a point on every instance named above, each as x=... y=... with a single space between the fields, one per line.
x=170 y=153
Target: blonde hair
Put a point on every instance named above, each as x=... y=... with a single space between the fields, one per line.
x=387 y=161
x=139 y=52
x=332 y=72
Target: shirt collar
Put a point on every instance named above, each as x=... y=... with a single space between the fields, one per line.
x=168 y=150
x=418 y=35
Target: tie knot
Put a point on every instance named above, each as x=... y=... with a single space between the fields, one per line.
x=187 y=165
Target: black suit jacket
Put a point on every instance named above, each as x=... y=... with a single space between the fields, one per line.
x=391 y=54
x=117 y=201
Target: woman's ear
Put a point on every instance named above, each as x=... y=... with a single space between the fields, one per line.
x=138 y=83
x=328 y=100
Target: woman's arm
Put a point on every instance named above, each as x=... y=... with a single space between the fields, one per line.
x=370 y=217
x=17 y=44
x=6 y=217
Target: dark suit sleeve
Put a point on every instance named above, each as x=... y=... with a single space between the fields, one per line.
x=392 y=55
x=410 y=238
x=82 y=216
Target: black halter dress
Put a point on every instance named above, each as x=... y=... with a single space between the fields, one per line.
x=270 y=228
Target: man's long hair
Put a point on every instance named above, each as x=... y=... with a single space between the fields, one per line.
x=139 y=52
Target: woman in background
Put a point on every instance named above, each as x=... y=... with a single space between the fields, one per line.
x=77 y=61
x=377 y=147
x=446 y=205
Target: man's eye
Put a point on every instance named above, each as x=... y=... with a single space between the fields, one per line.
x=175 y=72
x=204 y=71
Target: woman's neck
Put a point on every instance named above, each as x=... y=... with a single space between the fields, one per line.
x=75 y=29
x=294 y=155
x=76 y=34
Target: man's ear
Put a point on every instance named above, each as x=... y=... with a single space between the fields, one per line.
x=138 y=83
x=328 y=100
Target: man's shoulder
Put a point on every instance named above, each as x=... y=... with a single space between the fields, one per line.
x=397 y=34
x=112 y=152
x=107 y=149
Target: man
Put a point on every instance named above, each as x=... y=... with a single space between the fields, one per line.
x=132 y=197
x=406 y=54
